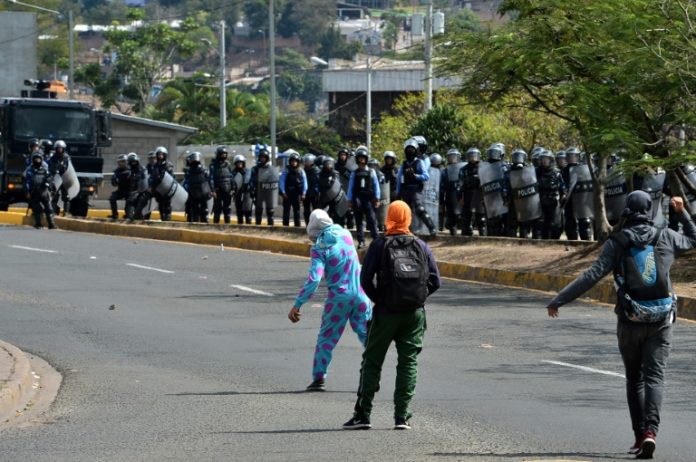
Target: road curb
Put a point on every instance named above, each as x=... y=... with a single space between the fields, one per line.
x=603 y=292
x=19 y=386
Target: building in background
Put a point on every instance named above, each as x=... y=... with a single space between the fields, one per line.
x=18 y=40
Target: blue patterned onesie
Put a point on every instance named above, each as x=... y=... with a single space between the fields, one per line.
x=334 y=255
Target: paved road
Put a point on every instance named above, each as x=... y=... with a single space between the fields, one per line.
x=187 y=367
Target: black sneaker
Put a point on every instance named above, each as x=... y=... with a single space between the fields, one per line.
x=317 y=385
x=358 y=422
x=361 y=245
x=401 y=423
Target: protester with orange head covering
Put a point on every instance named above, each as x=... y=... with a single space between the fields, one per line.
x=398 y=274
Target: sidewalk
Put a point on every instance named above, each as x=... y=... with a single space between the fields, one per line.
x=16 y=381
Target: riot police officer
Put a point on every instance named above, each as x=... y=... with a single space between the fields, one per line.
x=497 y=225
x=436 y=162
x=121 y=180
x=197 y=184
x=411 y=179
x=552 y=191
x=561 y=160
x=137 y=186
x=570 y=223
x=242 y=195
x=452 y=190
x=473 y=212
x=311 y=200
x=293 y=187
x=383 y=194
x=331 y=193
x=160 y=170
x=59 y=163
x=220 y=177
x=364 y=195
x=423 y=151
x=264 y=185
x=36 y=184
x=518 y=162
x=390 y=171
x=33 y=146
x=344 y=166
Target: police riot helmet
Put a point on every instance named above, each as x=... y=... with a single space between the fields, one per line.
x=373 y=163
x=361 y=151
x=422 y=144
x=133 y=158
x=151 y=155
x=495 y=152
x=411 y=149
x=60 y=144
x=34 y=143
x=195 y=156
x=561 y=159
x=390 y=155
x=122 y=158
x=294 y=157
x=46 y=145
x=573 y=155
x=319 y=161
x=329 y=162
x=35 y=155
x=221 y=152
x=161 y=150
x=519 y=156
x=262 y=156
x=436 y=160
x=473 y=155
x=454 y=156
x=308 y=160
x=546 y=159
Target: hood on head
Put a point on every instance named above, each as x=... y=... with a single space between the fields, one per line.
x=318 y=221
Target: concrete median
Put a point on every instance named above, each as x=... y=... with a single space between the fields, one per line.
x=603 y=292
x=16 y=381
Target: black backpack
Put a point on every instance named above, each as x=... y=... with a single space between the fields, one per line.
x=403 y=274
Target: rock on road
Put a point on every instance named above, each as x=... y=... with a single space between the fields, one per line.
x=180 y=352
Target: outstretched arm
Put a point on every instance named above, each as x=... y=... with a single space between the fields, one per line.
x=316 y=272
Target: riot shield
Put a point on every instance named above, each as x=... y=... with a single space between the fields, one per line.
x=431 y=202
x=177 y=195
x=452 y=196
x=615 y=193
x=336 y=197
x=688 y=196
x=68 y=180
x=384 y=201
x=525 y=194
x=492 y=177
x=582 y=192
x=267 y=184
x=653 y=184
x=143 y=182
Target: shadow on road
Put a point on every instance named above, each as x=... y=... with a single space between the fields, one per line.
x=524 y=455
x=233 y=393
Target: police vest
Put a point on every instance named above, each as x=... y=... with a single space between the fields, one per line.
x=39 y=180
x=222 y=176
x=549 y=184
x=198 y=183
x=326 y=180
x=362 y=183
x=293 y=181
x=121 y=179
x=410 y=182
x=469 y=177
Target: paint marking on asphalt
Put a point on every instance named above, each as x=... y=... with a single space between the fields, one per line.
x=585 y=368
x=134 y=265
x=253 y=291
x=33 y=249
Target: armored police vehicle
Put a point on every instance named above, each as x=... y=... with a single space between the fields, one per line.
x=38 y=115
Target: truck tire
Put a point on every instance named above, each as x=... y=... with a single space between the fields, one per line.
x=79 y=206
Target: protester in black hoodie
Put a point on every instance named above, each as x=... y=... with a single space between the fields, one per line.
x=644 y=345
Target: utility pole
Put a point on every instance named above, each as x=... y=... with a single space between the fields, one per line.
x=71 y=45
x=271 y=45
x=368 y=95
x=223 y=88
x=429 y=57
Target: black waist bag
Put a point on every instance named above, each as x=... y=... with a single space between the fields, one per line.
x=403 y=274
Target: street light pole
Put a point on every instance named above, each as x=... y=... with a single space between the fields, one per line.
x=368 y=121
x=223 y=88
x=271 y=45
x=429 y=57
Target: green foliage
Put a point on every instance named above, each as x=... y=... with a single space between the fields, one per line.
x=463 y=20
x=440 y=126
x=332 y=45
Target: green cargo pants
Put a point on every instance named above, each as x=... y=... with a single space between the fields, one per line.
x=406 y=331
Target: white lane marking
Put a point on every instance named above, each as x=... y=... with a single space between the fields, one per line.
x=33 y=249
x=134 y=265
x=253 y=291
x=585 y=368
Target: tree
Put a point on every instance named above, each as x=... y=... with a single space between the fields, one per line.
x=583 y=62
x=332 y=45
x=146 y=53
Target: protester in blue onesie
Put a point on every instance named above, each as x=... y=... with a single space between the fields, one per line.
x=334 y=256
